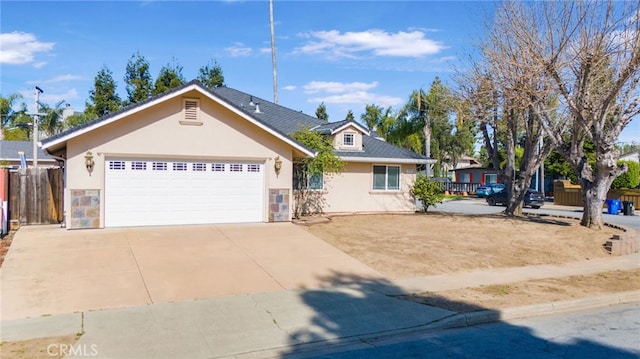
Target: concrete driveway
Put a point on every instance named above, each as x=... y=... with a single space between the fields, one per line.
x=50 y=270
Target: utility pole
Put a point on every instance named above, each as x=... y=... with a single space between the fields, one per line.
x=36 y=115
x=273 y=54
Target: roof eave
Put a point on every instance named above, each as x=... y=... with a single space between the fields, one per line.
x=388 y=160
x=58 y=141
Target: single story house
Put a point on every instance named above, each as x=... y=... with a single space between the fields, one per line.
x=11 y=152
x=197 y=156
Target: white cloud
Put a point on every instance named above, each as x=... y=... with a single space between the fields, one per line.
x=18 y=48
x=337 y=87
x=356 y=94
x=239 y=50
x=55 y=97
x=50 y=96
x=64 y=78
x=335 y=44
x=290 y=87
x=359 y=99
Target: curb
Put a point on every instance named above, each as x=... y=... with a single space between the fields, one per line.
x=329 y=346
x=488 y=316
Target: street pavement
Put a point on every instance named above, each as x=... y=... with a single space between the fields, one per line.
x=612 y=332
x=479 y=206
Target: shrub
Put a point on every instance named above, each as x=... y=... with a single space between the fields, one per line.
x=430 y=193
x=629 y=179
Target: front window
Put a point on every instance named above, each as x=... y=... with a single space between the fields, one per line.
x=490 y=178
x=348 y=139
x=386 y=177
x=303 y=180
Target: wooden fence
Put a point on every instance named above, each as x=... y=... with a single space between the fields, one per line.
x=36 y=196
x=567 y=194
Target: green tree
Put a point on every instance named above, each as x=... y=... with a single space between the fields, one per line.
x=138 y=79
x=321 y=112
x=429 y=192
x=349 y=116
x=103 y=98
x=50 y=123
x=325 y=164
x=372 y=116
x=76 y=119
x=170 y=77
x=211 y=75
x=387 y=122
x=629 y=179
x=20 y=126
x=7 y=114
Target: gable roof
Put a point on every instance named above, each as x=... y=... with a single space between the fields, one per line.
x=275 y=119
x=64 y=136
x=330 y=128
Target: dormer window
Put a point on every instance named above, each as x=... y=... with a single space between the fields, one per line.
x=348 y=139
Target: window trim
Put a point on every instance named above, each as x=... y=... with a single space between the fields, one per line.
x=353 y=139
x=386 y=178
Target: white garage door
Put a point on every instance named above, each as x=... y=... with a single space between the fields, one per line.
x=146 y=193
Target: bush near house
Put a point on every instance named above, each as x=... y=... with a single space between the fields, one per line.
x=429 y=192
x=629 y=179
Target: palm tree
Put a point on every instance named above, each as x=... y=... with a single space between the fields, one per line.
x=51 y=122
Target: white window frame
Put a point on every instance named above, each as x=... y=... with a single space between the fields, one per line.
x=386 y=178
x=353 y=139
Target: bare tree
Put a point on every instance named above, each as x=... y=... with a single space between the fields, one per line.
x=498 y=94
x=587 y=55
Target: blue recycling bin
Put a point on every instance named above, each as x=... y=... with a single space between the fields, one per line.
x=613 y=206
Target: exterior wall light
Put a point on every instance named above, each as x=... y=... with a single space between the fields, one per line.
x=277 y=165
x=88 y=161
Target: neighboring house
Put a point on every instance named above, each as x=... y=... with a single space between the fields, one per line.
x=195 y=156
x=10 y=155
x=476 y=174
x=633 y=156
x=463 y=162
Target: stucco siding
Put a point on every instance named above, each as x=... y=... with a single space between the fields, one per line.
x=352 y=191
x=157 y=133
x=338 y=139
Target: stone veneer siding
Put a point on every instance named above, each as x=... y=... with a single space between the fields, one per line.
x=85 y=208
x=279 y=205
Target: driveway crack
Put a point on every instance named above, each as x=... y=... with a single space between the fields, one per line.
x=146 y=288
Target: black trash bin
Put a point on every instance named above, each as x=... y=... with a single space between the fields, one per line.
x=627 y=208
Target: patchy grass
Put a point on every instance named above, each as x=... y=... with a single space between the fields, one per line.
x=530 y=292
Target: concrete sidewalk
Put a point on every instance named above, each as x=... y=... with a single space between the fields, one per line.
x=277 y=323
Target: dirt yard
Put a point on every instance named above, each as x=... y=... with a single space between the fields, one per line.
x=414 y=245
x=401 y=246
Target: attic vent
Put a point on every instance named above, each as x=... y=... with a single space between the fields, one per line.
x=191 y=112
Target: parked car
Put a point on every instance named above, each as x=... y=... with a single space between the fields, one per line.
x=489 y=188
x=532 y=198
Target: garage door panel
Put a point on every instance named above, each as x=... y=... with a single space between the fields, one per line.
x=139 y=193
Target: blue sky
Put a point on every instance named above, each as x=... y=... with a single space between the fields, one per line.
x=346 y=54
